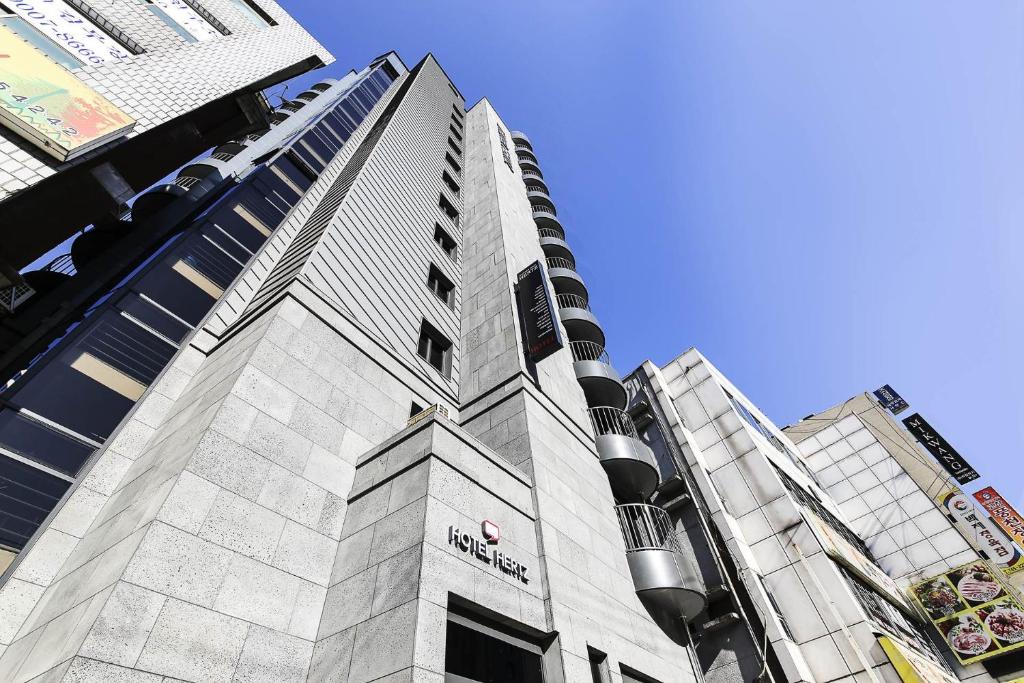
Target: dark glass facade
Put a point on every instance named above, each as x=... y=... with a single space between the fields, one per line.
x=73 y=396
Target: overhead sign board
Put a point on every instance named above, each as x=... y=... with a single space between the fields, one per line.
x=1002 y=512
x=973 y=611
x=982 y=531
x=892 y=401
x=940 y=449
x=49 y=107
x=537 y=311
x=912 y=666
x=71 y=30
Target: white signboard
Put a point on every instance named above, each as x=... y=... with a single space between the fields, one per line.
x=979 y=528
x=71 y=30
x=188 y=19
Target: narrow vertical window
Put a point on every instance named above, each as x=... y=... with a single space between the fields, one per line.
x=445 y=241
x=434 y=348
x=442 y=287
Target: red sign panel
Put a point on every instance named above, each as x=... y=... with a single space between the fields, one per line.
x=1002 y=512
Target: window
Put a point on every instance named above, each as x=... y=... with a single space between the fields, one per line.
x=599 y=671
x=770 y=437
x=474 y=652
x=191 y=22
x=455 y=132
x=457 y=111
x=633 y=676
x=254 y=13
x=448 y=208
x=451 y=162
x=808 y=500
x=455 y=148
x=441 y=286
x=435 y=349
x=889 y=618
x=775 y=608
x=450 y=182
x=445 y=241
x=70 y=35
x=457 y=122
x=415 y=410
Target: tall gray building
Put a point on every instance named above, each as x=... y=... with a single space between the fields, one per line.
x=352 y=422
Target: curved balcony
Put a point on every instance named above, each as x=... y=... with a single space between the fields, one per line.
x=553 y=243
x=564 y=277
x=656 y=562
x=545 y=219
x=580 y=324
x=534 y=179
x=539 y=199
x=519 y=136
x=629 y=463
x=527 y=156
x=601 y=383
x=527 y=166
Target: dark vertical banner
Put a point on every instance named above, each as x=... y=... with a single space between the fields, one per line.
x=892 y=401
x=940 y=449
x=537 y=311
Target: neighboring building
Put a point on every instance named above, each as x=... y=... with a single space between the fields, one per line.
x=825 y=545
x=103 y=99
x=256 y=491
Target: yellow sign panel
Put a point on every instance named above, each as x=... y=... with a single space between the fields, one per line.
x=48 y=106
x=912 y=666
x=974 y=612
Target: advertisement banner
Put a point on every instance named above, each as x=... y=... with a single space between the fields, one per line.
x=72 y=31
x=912 y=666
x=892 y=401
x=973 y=611
x=1002 y=512
x=46 y=105
x=978 y=528
x=841 y=550
x=940 y=449
x=537 y=311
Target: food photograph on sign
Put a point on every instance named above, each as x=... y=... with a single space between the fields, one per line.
x=973 y=611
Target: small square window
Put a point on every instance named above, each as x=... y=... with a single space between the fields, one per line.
x=445 y=241
x=457 y=122
x=415 y=410
x=455 y=148
x=450 y=182
x=458 y=136
x=457 y=111
x=448 y=208
x=435 y=349
x=451 y=162
x=441 y=286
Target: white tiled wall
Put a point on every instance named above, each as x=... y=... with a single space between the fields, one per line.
x=909 y=535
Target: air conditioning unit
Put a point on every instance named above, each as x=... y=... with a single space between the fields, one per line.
x=438 y=408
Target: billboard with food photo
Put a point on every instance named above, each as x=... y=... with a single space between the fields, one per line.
x=973 y=611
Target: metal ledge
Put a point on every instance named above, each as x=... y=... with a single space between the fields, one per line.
x=630 y=464
x=601 y=383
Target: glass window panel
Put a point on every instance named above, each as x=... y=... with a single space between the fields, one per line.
x=173 y=290
x=27 y=496
x=226 y=242
x=148 y=314
x=480 y=657
x=36 y=441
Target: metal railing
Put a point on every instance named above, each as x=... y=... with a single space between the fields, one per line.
x=536 y=188
x=525 y=146
x=528 y=156
x=646 y=527
x=534 y=174
x=546 y=210
x=608 y=420
x=185 y=181
x=572 y=301
x=222 y=156
x=587 y=350
x=559 y=262
x=550 y=232
x=61 y=264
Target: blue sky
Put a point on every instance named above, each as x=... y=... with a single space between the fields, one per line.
x=822 y=197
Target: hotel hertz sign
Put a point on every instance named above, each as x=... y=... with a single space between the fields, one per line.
x=483 y=551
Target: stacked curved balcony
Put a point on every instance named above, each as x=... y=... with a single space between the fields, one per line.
x=651 y=543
